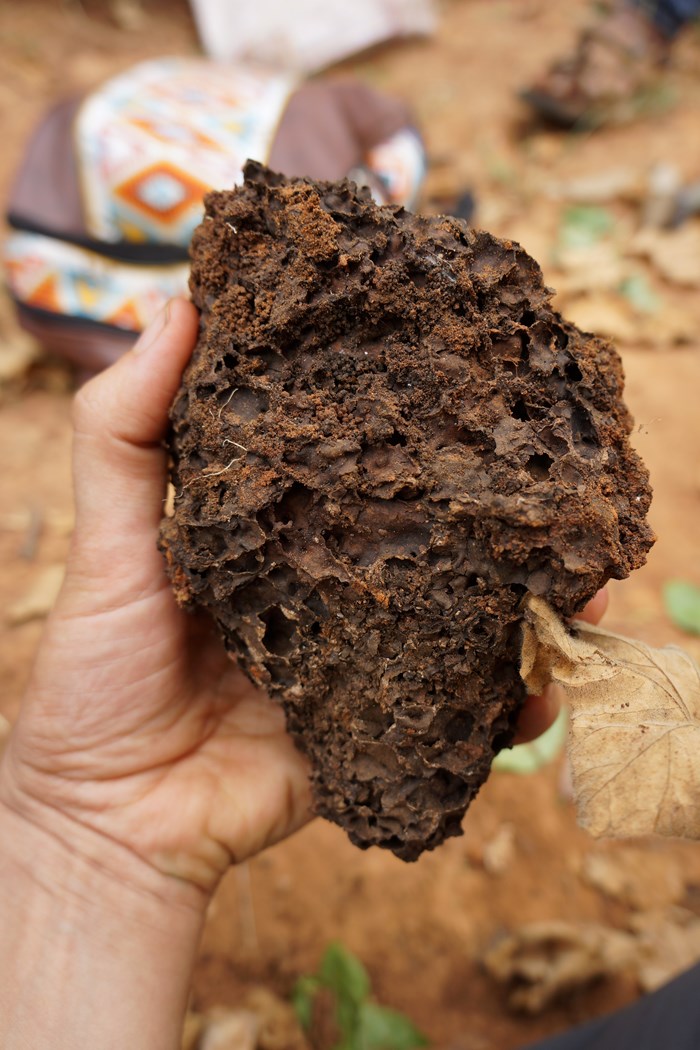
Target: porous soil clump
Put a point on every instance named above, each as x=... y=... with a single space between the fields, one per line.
x=386 y=438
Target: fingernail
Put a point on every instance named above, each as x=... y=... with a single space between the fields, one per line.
x=150 y=334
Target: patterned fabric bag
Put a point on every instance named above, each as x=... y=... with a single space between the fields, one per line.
x=111 y=186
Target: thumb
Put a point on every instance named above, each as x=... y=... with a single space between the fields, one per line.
x=120 y=420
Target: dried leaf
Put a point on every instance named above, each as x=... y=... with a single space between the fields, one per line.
x=542 y=961
x=593 y=268
x=264 y=1021
x=279 y=1025
x=671 y=325
x=601 y=187
x=605 y=313
x=39 y=599
x=58 y=522
x=499 y=852
x=675 y=254
x=612 y=314
x=229 y=1030
x=192 y=1030
x=669 y=943
x=662 y=192
x=634 y=744
x=636 y=876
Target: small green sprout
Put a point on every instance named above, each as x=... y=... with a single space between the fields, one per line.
x=583 y=225
x=682 y=601
x=362 y=1023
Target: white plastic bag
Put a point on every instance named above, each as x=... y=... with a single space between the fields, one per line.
x=306 y=35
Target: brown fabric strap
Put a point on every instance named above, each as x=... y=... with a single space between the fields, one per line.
x=46 y=190
x=329 y=126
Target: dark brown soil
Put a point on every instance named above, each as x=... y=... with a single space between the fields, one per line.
x=385 y=439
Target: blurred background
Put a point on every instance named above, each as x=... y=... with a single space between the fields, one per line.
x=605 y=205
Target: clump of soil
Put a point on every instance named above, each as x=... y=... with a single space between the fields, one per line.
x=387 y=438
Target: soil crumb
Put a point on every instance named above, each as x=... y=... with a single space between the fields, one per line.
x=385 y=440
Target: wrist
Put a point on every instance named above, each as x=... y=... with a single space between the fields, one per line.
x=89 y=957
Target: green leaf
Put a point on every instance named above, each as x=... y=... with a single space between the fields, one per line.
x=344 y=974
x=303 y=995
x=639 y=294
x=583 y=225
x=383 y=1029
x=682 y=601
x=347 y=1019
x=348 y=1042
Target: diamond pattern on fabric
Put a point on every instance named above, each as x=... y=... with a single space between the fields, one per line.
x=152 y=141
x=162 y=192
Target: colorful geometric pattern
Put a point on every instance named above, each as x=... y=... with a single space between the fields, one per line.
x=150 y=144
x=61 y=278
x=153 y=141
x=162 y=192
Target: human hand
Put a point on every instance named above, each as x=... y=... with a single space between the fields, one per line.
x=137 y=729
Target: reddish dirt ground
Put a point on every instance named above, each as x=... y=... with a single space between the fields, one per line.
x=421 y=929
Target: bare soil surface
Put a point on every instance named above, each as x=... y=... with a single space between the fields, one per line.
x=423 y=929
